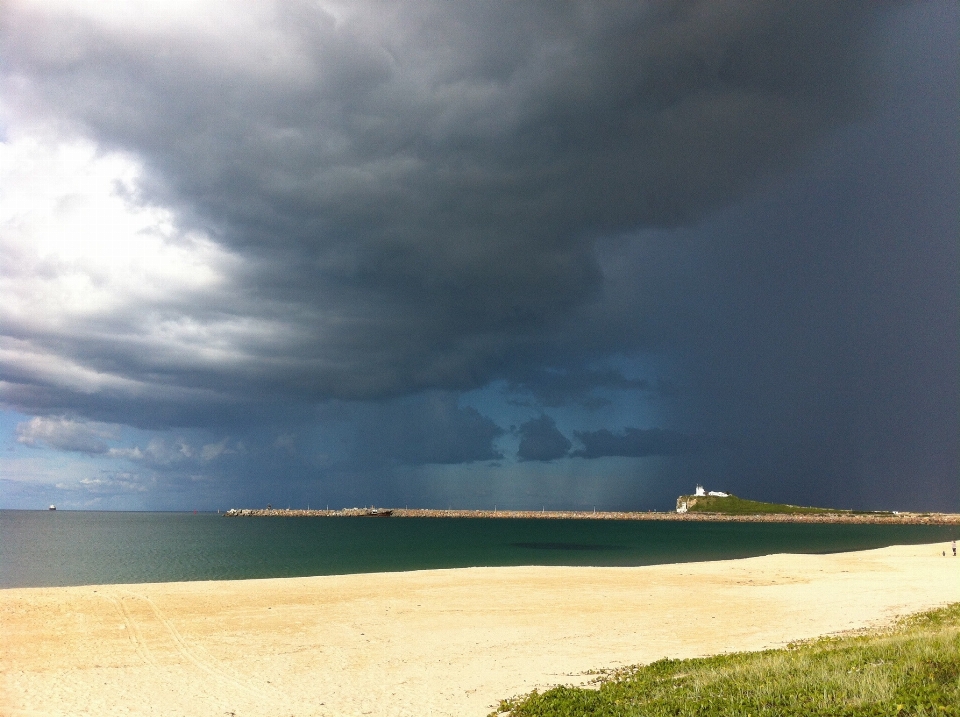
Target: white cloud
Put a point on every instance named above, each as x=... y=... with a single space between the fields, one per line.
x=113 y=483
x=158 y=452
x=134 y=454
x=78 y=245
x=285 y=442
x=86 y=262
x=214 y=450
x=65 y=434
x=104 y=292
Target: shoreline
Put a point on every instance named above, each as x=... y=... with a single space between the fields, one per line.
x=434 y=642
x=866 y=518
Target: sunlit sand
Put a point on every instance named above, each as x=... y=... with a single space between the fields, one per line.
x=440 y=642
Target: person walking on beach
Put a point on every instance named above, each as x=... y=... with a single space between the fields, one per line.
x=954 y=546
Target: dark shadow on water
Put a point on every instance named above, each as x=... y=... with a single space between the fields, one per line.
x=567 y=546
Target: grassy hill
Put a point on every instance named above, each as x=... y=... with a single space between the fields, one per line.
x=732 y=505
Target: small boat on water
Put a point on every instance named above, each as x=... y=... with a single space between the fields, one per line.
x=52 y=507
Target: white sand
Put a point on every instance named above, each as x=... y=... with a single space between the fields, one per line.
x=443 y=642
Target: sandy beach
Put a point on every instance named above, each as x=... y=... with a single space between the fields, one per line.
x=444 y=642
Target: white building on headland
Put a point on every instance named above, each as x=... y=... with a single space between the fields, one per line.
x=716 y=493
x=699 y=493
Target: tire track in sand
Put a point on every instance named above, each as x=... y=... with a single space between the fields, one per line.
x=273 y=697
x=135 y=634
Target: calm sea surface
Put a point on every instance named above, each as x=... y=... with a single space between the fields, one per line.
x=41 y=548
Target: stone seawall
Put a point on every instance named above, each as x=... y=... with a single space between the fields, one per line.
x=865 y=518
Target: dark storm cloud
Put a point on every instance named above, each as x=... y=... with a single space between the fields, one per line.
x=635 y=443
x=413 y=191
x=541 y=440
x=424 y=429
x=816 y=325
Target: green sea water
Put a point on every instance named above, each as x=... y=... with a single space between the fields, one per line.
x=42 y=548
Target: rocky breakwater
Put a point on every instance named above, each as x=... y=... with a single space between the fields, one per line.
x=839 y=517
x=308 y=513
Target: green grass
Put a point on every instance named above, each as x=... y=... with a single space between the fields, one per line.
x=912 y=669
x=732 y=505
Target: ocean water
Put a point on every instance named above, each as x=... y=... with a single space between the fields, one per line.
x=44 y=548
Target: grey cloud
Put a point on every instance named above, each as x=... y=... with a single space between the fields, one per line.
x=635 y=443
x=65 y=434
x=415 y=192
x=541 y=440
x=423 y=429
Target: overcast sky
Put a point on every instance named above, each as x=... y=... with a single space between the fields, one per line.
x=474 y=254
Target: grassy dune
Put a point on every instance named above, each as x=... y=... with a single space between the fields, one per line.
x=912 y=669
x=732 y=505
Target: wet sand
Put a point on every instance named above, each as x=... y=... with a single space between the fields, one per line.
x=440 y=642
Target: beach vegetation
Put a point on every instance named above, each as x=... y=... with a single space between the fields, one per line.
x=912 y=668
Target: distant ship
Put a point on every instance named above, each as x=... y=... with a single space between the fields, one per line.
x=52 y=507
